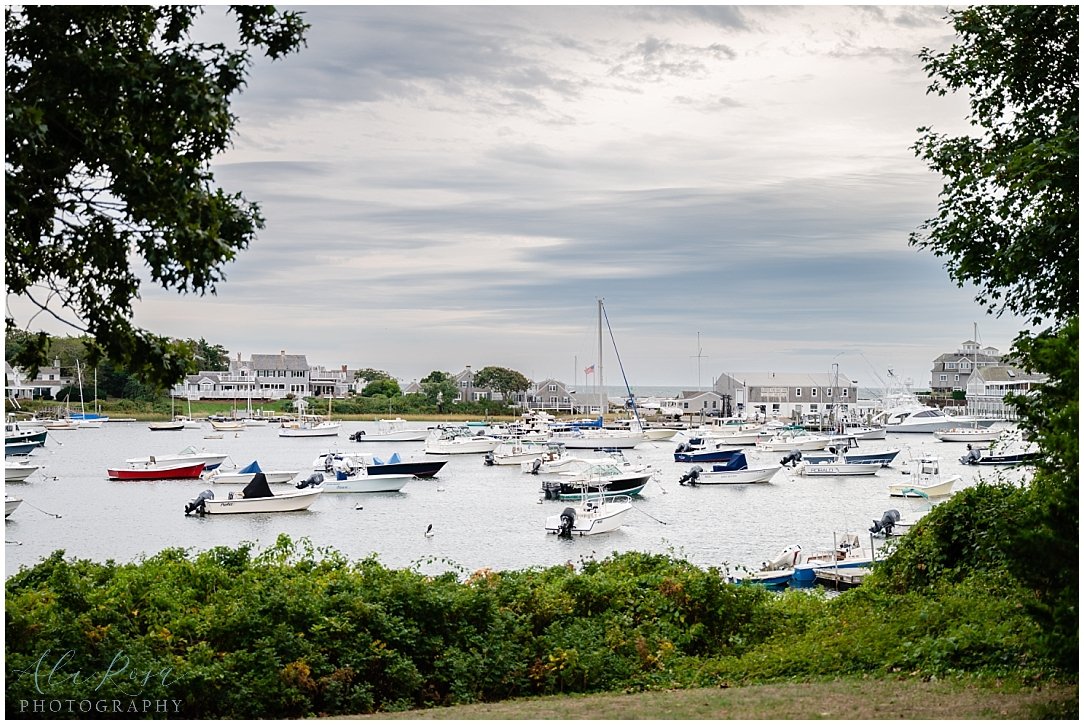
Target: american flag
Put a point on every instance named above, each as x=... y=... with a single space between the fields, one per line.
x=589 y=369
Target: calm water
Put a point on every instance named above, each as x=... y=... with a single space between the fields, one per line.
x=482 y=516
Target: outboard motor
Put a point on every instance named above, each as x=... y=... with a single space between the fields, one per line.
x=888 y=520
x=971 y=457
x=314 y=480
x=568 y=520
x=489 y=460
x=197 y=504
x=786 y=559
x=792 y=458
x=691 y=476
x=356 y=436
x=551 y=490
x=329 y=463
x=683 y=448
x=536 y=466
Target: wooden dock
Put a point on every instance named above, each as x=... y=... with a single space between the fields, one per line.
x=841 y=578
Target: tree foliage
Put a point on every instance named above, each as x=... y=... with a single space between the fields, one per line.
x=505 y=381
x=439 y=388
x=371 y=374
x=388 y=387
x=1009 y=223
x=113 y=115
x=1008 y=216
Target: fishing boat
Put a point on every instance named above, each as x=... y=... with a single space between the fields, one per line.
x=255 y=498
x=416 y=467
x=596 y=479
x=596 y=514
x=156 y=471
x=188 y=455
x=248 y=474
x=350 y=479
x=16 y=433
x=516 y=451
x=390 y=429
x=839 y=466
x=795 y=440
x=852 y=453
x=704 y=450
x=1010 y=449
x=926 y=480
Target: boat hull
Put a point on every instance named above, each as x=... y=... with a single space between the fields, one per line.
x=589 y=522
x=882 y=458
x=912 y=490
x=367 y=484
x=16 y=473
x=20 y=449
x=315 y=432
x=272 y=477
x=966 y=436
x=466 y=446
x=156 y=473
x=293 y=501
x=838 y=469
x=10 y=504
x=745 y=475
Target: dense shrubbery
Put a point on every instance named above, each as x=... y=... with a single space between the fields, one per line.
x=293 y=631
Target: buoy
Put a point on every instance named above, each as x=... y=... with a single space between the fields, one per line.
x=429 y=531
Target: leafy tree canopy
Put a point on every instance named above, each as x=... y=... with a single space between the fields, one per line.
x=387 y=387
x=439 y=388
x=507 y=382
x=1008 y=216
x=113 y=115
x=370 y=375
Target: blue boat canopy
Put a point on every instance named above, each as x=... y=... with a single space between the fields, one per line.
x=395 y=458
x=253 y=467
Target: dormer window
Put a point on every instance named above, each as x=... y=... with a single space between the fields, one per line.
x=797 y=392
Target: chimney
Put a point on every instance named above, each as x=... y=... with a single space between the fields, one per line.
x=344 y=368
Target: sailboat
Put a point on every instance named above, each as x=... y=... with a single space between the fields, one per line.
x=172 y=423
x=82 y=418
x=603 y=437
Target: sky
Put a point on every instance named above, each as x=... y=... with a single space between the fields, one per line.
x=451 y=186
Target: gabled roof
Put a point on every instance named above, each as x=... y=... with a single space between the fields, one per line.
x=792 y=380
x=279 y=362
x=1007 y=373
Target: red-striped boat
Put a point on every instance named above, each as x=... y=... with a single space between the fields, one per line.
x=152 y=472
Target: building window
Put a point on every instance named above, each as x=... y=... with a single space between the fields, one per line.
x=944 y=378
x=829 y=391
x=950 y=366
x=813 y=392
x=846 y=392
x=797 y=392
x=553 y=388
x=957 y=378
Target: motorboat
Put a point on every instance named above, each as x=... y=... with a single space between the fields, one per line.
x=390 y=429
x=967 y=435
x=60 y=424
x=596 y=514
x=16 y=472
x=20 y=449
x=458 y=439
x=736 y=470
x=228 y=425
x=795 y=440
x=156 y=471
x=590 y=438
x=601 y=478
x=308 y=427
x=775 y=573
x=852 y=453
x=917 y=418
x=847 y=552
x=166 y=425
x=187 y=455
x=15 y=433
x=837 y=466
x=417 y=468
x=10 y=504
x=516 y=451
x=1008 y=450
x=550 y=459
x=255 y=498
x=926 y=480
x=704 y=450
x=348 y=479
x=863 y=432
x=248 y=473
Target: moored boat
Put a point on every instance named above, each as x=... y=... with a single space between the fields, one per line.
x=255 y=498
x=734 y=471
x=15 y=472
x=390 y=429
x=156 y=471
x=187 y=455
x=595 y=515
x=926 y=480
x=248 y=474
x=10 y=504
x=967 y=435
x=455 y=439
x=416 y=467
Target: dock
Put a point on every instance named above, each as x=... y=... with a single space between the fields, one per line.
x=841 y=578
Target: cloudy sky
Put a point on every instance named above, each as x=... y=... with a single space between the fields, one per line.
x=451 y=186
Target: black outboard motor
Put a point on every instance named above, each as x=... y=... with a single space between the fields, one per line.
x=489 y=460
x=568 y=520
x=683 y=448
x=792 y=458
x=691 y=476
x=356 y=436
x=888 y=519
x=551 y=490
x=536 y=465
x=197 y=504
x=314 y=480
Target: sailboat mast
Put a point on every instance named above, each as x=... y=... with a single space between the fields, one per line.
x=598 y=378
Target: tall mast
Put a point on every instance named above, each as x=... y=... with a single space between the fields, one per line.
x=601 y=392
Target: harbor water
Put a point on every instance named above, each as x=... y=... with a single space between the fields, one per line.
x=482 y=516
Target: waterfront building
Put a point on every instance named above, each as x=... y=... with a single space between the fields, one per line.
x=796 y=396
x=695 y=403
x=262 y=377
x=988 y=386
x=47 y=384
x=951 y=370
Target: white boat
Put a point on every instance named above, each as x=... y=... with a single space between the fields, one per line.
x=228 y=425
x=309 y=428
x=15 y=472
x=594 y=515
x=603 y=477
x=10 y=504
x=361 y=482
x=795 y=441
x=248 y=474
x=967 y=435
x=863 y=432
x=61 y=424
x=847 y=553
x=166 y=425
x=188 y=455
x=591 y=438
x=722 y=474
x=517 y=452
x=390 y=429
x=926 y=480
x=923 y=419
x=840 y=466
x=748 y=437
x=458 y=439
x=256 y=498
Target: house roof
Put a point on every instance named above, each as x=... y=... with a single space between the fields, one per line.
x=279 y=362
x=792 y=380
x=1007 y=373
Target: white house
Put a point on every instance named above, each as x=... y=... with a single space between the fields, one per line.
x=988 y=386
x=788 y=395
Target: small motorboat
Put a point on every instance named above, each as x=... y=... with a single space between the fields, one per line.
x=15 y=472
x=255 y=498
x=926 y=480
x=166 y=425
x=601 y=478
x=597 y=514
x=351 y=479
x=775 y=573
x=1007 y=450
x=189 y=455
x=156 y=471
x=704 y=450
x=847 y=553
x=966 y=435
x=10 y=504
x=840 y=466
x=736 y=470
x=248 y=473
x=21 y=448
x=458 y=439
x=376 y=466
x=391 y=429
